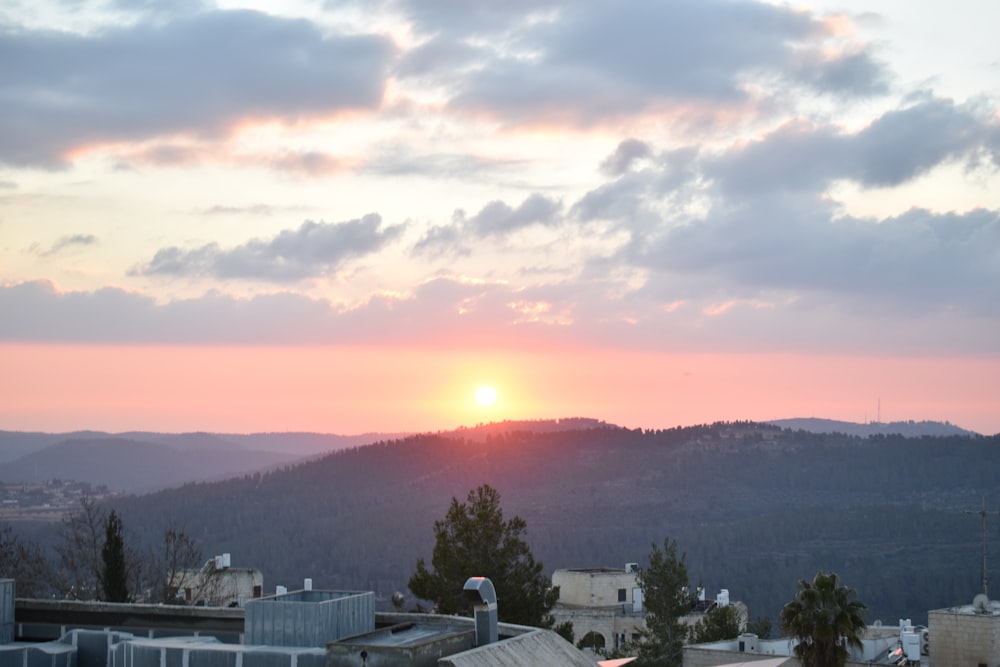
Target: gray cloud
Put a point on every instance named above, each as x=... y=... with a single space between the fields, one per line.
x=916 y=262
x=856 y=74
x=314 y=249
x=438 y=309
x=256 y=209
x=399 y=160
x=612 y=58
x=195 y=74
x=896 y=147
x=66 y=242
x=495 y=220
x=628 y=152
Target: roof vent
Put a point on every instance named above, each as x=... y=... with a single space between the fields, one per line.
x=484 y=607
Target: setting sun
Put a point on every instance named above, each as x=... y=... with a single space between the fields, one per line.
x=486 y=396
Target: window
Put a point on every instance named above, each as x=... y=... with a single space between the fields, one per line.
x=621 y=595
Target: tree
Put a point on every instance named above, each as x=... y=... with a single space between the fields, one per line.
x=170 y=570
x=717 y=624
x=114 y=574
x=761 y=626
x=80 y=550
x=474 y=540
x=25 y=563
x=664 y=585
x=826 y=618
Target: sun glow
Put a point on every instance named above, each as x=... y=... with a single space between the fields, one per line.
x=486 y=396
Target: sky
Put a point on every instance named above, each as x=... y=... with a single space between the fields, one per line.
x=346 y=217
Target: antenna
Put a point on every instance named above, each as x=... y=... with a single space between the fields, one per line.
x=982 y=513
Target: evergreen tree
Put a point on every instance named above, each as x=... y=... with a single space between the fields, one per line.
x=474 y=540
x=114 y=575
x=761 y=627
x=664 y=585
x=717 y=624
x=826 y=619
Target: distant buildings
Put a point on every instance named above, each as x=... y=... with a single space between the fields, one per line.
x=605 y=605
x=218 y=584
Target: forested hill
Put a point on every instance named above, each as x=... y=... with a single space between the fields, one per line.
x=755 y=508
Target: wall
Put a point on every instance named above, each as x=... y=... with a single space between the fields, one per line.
x=7 y=593
x=308 y=618
x=959 y=637
x=595 y=587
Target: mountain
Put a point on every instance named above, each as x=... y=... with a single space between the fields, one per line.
x=755 y=508
x=132 y=465
x=910 y=429
x=140 y=461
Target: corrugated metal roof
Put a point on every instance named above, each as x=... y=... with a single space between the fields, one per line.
x=541 y=647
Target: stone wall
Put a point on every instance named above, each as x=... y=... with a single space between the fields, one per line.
x=959 y=636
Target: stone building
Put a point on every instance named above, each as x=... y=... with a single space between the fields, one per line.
x=218 y=584
x=605 y=605
x=968 y=635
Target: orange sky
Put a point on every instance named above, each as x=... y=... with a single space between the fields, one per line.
x=357 y=389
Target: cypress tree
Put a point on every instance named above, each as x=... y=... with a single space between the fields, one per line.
x=113 y=575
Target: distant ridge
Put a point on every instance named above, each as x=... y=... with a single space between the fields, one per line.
x=139 y=461
x=908 y=429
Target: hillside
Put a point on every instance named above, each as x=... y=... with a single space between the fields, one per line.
x=132 y=465
x=909 y=429
x=137 y=462
x=754 y=506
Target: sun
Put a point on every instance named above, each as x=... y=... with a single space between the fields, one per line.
x=486 y=396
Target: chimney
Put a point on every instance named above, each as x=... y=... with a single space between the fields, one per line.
x=484 y=606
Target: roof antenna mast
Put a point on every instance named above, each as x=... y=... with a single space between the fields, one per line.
x=982 y=513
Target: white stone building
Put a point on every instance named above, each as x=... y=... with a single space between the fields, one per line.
x=605 y=605
x=218 y=584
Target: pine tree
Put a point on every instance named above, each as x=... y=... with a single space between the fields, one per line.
x=665 y=595
x=474 y=540
x=114 y=577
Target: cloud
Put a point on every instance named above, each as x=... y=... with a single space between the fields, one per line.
x=255 y=209
x=196 y=74
x=496 y=220
x=400 y=160
x=312 y=250
x=894 y=148
x=606 y=59
x=628 y=152
x=916 y=262
x=66 y=242
x=437 y=312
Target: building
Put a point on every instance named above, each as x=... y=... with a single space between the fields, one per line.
x=298 y=629
x=605 y=605
x=965 y=635
x=218 y=584
x=881 y=645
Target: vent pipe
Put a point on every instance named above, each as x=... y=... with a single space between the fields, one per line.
x=484 y=607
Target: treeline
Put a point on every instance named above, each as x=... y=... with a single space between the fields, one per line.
x=756 y=508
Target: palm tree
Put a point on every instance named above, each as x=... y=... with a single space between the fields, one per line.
x=826 y=619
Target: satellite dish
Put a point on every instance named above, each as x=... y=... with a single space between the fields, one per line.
x=981 y=603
